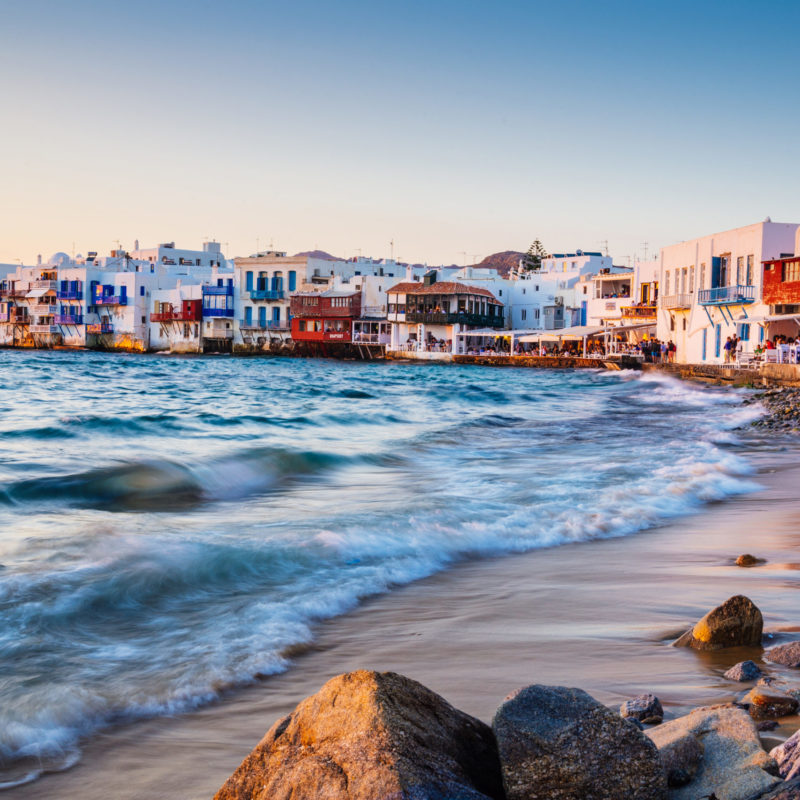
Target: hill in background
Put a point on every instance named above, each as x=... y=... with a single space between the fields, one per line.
x=503 y=262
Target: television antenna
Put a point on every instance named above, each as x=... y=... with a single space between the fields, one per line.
x=645 y=245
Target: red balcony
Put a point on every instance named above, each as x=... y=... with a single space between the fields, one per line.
x=334 y=304
x=190 y=311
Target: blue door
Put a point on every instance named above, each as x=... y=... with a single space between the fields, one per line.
x=262 y=316
x=248 y=315
x=717 y=340
x=276 y=315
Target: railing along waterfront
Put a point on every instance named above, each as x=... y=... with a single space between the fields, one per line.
x=723 y=295
x=447 y=318
x=676 y=301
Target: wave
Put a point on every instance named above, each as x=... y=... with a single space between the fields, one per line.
x=162 y=485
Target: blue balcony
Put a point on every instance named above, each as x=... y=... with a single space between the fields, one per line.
x=217 y=312
x=727 y=295
x=267 y=294
x=68 y=319
x=100 y=327
x=110 y=300
x=70 y=294
x=216 y=291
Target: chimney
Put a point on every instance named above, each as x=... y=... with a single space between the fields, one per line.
x=429 y=278
x=39 y=260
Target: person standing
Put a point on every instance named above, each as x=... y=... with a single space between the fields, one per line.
x=664 y=352
x=727 y=347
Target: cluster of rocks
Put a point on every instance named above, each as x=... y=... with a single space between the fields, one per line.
x=382 y=736
x=783 y=409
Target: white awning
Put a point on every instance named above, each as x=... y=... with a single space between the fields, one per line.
x=633 y=327
x=38 y=292
x=769 y=318
x=494 y=332
x=575 y=332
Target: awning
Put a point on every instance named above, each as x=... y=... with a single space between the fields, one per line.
x=633 y=327
x=769 y=318
x=494 y=332
x=575 y=332
x=38 y=292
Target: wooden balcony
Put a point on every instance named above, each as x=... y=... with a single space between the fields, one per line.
x=639 y=312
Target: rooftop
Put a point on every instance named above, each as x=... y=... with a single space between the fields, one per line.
x=440 y=287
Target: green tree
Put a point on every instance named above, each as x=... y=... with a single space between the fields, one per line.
x=532 y=260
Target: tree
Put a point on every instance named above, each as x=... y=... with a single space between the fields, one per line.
x=532 y=260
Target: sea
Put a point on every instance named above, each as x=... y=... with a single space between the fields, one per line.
x=173 y=529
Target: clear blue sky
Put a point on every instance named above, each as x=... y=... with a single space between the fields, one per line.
x=445 y=126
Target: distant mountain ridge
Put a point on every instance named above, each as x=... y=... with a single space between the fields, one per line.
x=503 y=262
x=318 y=254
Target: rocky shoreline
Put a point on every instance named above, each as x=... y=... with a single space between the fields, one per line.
x=377 y=735
x=783 y=409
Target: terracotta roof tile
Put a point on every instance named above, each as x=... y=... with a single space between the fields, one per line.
x=440 y=287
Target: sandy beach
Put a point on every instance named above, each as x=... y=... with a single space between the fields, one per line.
x=598 y=615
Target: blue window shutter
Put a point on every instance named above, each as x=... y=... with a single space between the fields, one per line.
x=705 y=340
x=248 y=278
x=262 y=316
x=716 y=264
x=717 y=340
x=248 y=315
x=276 y=314
x=292 y=280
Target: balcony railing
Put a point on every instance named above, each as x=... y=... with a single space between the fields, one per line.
x=100 y=327
x=68 y=319
x=110 y=300
x=676 y=301
x=217 y=312
x=44 y=328
x=43 y=309
x=270 y=324
x=638 y=312
x=19 y=289
x=444 y=318
x=174 y=316
x=5 y=316
x=19 y=319
x=267 y=294
x=48 y=285
x=70 y=294
x=727 y=295
x=218 y=290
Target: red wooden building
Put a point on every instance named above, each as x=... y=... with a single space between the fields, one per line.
x=189 y=311
x=781 y=286
x=324 y=316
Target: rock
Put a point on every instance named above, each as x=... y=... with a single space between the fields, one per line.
x=743 y=671
x=681 y=754
x=734 y=765
x=747 y=560
x=368 y=735
x=737 y=622
x=646 y=708
x=787 y=756
x=559 y=744
x=786 y=654
x=768 y=701
x=766 y=725
x=784 y=791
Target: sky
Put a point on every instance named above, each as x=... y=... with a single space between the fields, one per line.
x=452 y=129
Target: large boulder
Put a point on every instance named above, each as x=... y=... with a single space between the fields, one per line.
x=734 y=766
x=561 y=744
x=736 y=623
x=371 y=736
x=786 y=654
x=787 y=756
x=784 y=791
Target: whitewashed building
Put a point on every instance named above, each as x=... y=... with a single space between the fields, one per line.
x=711 y=288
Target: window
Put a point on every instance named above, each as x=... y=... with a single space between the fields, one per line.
x=740 y=270
x=666 y=282
x=791 y=271
x=691 y=280
x=724 y=262
x=750 y=270
x=248 y=281
x=535 y=288
x=745 y=334
x=500 y=293
x=301 y=324
x=524 y=314
x=536 y=313
x=144 y=320
x=717 y=340
x=671 y=322
x=141 y=291
x=684 y=323
x=702 y=284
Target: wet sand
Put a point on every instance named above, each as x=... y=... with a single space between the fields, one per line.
x=598 y=615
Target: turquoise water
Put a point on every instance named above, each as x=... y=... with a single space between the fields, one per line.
x=170 y=528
